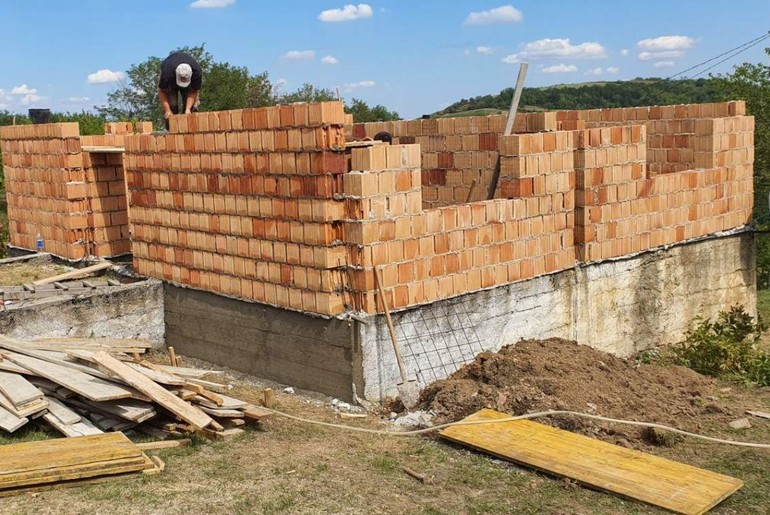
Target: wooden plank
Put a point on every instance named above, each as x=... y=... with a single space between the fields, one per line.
x=629 y=473
x=759 y=414
x=222 y=413
x=256 y=413
x=89 y=343
x=167 y=444
x=82 y=428
x=227 y=402
x=24 y=258
x=158 y=376
x=71 y=483
x=98 y=149
x=195 y=373
x=55 y=357
x=79 y=382
x=17 y=389
x=10 y=422
x=62 y=412
x=128 y=409
x=8 y=366
x=58 y=453
x=75 y=274
x=157 y=393
x=26 y=410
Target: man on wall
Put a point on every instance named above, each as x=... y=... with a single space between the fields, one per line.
x=180 y=75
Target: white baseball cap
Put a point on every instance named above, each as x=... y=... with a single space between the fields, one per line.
x=183 y=75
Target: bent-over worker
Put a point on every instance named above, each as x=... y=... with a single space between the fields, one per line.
x=180 y=74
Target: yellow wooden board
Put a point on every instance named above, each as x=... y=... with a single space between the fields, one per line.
x=636 y=475
x=50 y=461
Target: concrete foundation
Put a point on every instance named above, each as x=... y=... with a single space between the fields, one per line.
x=308 y=352
x=621 y=306
x=127 y=311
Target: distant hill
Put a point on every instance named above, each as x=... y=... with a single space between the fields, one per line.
x=593 y=95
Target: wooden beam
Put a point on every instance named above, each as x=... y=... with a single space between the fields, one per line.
x=157 y=393
x=75 y=274
x=508 y=126
x=166 y=444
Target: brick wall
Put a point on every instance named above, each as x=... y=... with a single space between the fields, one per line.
x=458 y=154
x=266 y=205
x=244 y=203
x=74 y=200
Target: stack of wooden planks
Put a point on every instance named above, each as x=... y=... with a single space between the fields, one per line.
x=90 y=386
x=65 y=462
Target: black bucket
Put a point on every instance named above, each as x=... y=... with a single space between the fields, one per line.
x=40 y=115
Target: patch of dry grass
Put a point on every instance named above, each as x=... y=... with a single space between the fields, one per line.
x=290 y=467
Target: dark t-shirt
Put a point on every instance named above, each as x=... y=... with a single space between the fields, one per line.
x=168 y=72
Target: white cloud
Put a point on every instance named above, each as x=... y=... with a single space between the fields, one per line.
x=78 y=100
x=502 y=14
x=23 y=90
x=347 y=13
x=352 y=86
x=666 y=43
x=329 y=59
x=595 y=71
x=557 y=49
x=560 y=68
x=105 y=77
x=211 y=4
x=299 y=55
x=30 y=99
x=486 y=50
x=624 y=52
x=667 y=54
x=612 y=70
x=664 y=64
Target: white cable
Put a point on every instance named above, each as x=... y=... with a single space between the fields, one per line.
x=527 y=416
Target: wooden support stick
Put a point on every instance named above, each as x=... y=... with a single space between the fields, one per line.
x=393 y=338
x=172 y=356
x=422 y=478
x=508 y=126
x=137 y=358
x=269 y=399
x=470 y=191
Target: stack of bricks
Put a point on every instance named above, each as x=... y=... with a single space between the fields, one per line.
x=243 y=203
x=458 y=154
x=672 y=141
x=610 y=220
x=428 y=255
x=46 y=188
x=75 y=200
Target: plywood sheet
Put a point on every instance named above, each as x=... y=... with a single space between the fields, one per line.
x=626 y=472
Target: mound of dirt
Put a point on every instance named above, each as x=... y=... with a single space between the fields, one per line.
x=556 y=374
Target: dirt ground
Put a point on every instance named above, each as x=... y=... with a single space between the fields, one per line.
x=556 y=374
x=15 y=274
x=287 y=466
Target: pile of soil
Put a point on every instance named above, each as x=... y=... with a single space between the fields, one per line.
x=557 y=374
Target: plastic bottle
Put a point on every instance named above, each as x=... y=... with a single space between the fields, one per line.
x=39 y=242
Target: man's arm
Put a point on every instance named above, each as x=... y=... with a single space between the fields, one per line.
x=164 y=103
x=192 y=97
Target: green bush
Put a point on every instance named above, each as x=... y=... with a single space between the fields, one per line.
x=727 y=348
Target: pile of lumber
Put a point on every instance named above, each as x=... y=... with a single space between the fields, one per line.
x=66 y=462
x=91 y=386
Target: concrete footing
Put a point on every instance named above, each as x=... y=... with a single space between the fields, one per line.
x=622 y=307
x=127 y=311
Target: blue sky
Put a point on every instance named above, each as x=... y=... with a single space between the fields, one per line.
x=414 y=56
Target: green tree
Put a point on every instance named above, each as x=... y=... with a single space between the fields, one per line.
x=224 y=87
x=363 y=113
x=306 y=93
x=90 y=123
x=751 y=82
